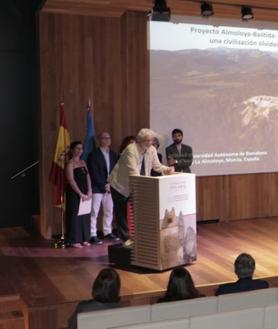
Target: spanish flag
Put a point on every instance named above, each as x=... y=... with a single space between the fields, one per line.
x=57 y=172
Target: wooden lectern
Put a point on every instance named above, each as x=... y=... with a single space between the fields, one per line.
x=164 y=210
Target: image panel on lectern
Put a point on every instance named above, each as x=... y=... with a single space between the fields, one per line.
x=178 y=238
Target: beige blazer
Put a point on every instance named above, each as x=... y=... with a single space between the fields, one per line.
x=129 y=164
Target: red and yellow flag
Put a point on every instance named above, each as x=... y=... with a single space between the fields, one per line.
x=57 y=172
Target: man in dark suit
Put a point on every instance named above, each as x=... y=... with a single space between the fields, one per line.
x=100 y=164
x=178 y=154
x=244 y=269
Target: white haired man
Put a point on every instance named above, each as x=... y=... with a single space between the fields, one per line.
x=137 y=159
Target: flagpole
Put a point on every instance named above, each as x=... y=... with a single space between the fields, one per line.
x=61 y=243
x=62 y=216
x=57 y=173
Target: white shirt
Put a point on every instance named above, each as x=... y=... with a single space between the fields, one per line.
x=106 y=153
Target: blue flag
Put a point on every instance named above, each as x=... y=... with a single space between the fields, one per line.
x=90 y=141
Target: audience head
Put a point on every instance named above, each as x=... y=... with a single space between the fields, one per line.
x=126 y=141
x=180 y=285
x=106 y=287
x=244 y=266
x=177 y=136
x=104 y=139
x=76 y=149
x=145 y=138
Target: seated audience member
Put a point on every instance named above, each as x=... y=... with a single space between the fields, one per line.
x=105 y=293
x=180 y=286
x=244 y=268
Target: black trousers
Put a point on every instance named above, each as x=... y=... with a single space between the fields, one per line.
x=120 y=208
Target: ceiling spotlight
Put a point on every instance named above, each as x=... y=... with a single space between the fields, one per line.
x=160 y=11
x=246 y=13
x=206 y=9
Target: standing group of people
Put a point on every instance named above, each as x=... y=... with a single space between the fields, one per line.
x=105 y=180
x=88 y=180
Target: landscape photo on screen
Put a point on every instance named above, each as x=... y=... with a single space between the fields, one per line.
x=219 y=84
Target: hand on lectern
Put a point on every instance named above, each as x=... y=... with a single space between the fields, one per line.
x=170 y=170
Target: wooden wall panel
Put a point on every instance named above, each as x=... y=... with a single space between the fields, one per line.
x=137 y=71
x=210 y=201
x=96 y=57
x=64 y=76
x=234 y=197
x=250 y=196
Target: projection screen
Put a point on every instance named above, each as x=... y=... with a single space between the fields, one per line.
x=218 y=82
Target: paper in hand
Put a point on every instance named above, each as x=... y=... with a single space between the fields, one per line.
x=85 y=207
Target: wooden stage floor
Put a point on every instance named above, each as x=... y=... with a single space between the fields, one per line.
x=52 y=281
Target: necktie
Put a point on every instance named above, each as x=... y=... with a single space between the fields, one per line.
x=142 y=170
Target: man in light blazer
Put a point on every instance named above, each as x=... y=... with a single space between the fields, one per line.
x=179 y=155
x=137 y=159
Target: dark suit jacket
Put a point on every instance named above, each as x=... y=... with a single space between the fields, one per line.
x=98 y=170
x=241 y=285
x=184 y=159
x=88 y=306
x=153 y=172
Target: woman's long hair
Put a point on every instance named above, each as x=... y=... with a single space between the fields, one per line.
x=106 y=287
x=126 y=141
x=72 y=146
x=180 y=286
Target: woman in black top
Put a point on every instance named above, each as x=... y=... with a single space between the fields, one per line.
x=180 y=286
x=79 y=187
x=105 y=293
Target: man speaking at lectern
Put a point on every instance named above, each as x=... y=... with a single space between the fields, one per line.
x=137 y=159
